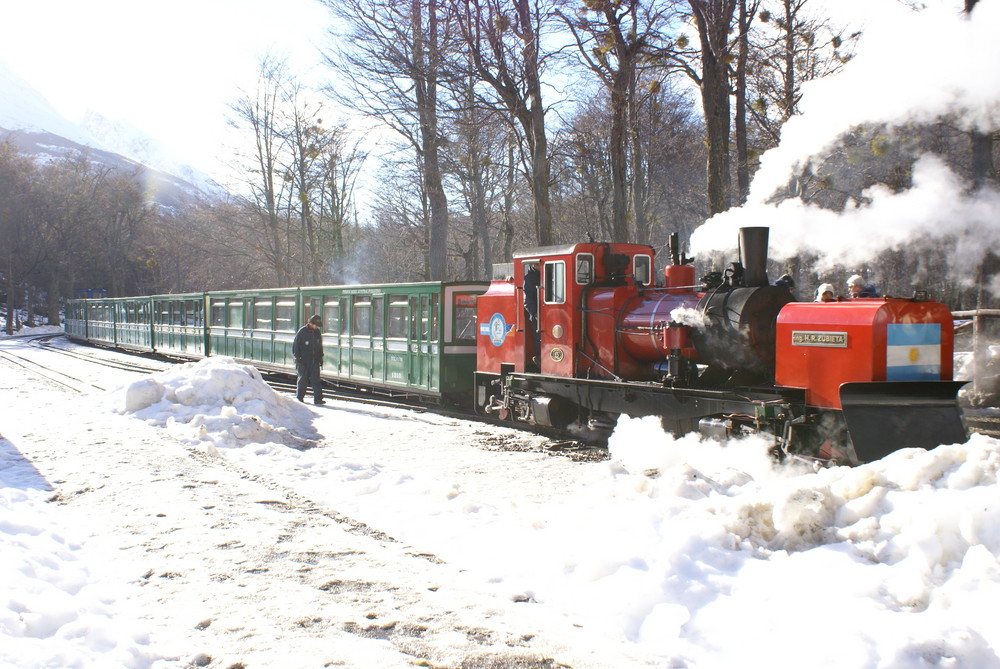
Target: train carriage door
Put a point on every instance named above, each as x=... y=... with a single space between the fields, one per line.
x=553 y=322
x=397 y=369
x=246 y=333
x=435 y=343
x=378 y=338
x=361 y=337
x=530 y=284
x=333 y=328
x=420 y=321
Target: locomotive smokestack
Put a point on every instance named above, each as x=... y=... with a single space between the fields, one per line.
x=753 y=255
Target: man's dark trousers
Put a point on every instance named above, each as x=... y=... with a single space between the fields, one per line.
x=308 y=376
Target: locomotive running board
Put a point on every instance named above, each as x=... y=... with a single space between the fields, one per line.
x=885 y=417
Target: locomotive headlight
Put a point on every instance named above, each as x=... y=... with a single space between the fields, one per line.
x=557 y=331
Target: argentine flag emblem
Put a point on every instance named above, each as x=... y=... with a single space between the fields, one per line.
x=913 y=352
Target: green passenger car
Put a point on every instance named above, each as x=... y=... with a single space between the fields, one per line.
x=122 y=322
x=179 y=324
x=133 y=324
x=256 y=326
x=409 y=339
x=400 y=339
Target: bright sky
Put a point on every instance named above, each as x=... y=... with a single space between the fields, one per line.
x=170 y=69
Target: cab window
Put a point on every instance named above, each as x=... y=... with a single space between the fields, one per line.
x=584 y=268
x=555 y=282
x=642 y=268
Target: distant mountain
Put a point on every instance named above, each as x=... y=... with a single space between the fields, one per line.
x=31 y=124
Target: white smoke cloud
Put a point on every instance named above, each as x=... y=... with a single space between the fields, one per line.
x=911 y=67
x=937 y=205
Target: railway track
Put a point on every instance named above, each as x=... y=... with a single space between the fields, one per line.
x=46 y=342
x=57 y=377
x=984 y=421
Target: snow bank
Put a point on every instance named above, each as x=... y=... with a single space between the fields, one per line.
x=39 y=330
x=55 y=610
x=217 y=403
x=989 y=385
x=897 y=559
x=689 y=551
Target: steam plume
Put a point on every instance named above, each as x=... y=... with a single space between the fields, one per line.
x=917 y=67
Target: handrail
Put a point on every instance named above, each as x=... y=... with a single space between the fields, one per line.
x=972 y=313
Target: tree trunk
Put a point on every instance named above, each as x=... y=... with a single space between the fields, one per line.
x=11 y=305
x=54 y=288
x=619 y=219
x=540 y=168
x=742 y=149
x=713 y=18
x=425 y=80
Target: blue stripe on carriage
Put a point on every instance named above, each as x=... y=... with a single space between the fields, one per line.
x=913 y=334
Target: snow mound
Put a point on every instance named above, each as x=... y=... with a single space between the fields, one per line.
x=38 y=330
x=988 y=393
x=917 y=532
x=217 y=403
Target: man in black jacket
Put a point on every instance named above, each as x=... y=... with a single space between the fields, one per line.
x=308 y=352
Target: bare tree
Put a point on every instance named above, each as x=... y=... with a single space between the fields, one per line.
x=714 y=19
x=790 y=45
x=17 y=176
x=306 y=139
x=747 y=13
x=504 y=43
x=338 y=167
x=391 y=66
x=614 y=38
x=258 y=112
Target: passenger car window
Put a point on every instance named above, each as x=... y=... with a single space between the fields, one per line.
x=465 y=317
x=362 y=321
x=284 y=314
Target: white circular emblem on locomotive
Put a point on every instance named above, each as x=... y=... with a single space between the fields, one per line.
x=498 y=329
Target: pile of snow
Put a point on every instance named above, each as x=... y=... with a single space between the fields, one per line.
x=705 y=553
x=57 y=609
x=217 y=403
x=986 y=392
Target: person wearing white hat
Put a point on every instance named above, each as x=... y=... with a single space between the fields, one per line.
x=825 y=293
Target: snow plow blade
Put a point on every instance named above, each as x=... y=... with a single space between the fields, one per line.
x=885 y=417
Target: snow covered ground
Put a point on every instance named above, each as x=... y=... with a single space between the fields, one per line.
x=196 y=518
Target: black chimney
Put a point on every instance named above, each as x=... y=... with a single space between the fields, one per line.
x=753 y=256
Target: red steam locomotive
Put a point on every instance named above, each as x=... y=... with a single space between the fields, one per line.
x=574 y=336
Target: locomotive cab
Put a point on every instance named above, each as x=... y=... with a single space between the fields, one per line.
x=531 y=319
x=536 y=318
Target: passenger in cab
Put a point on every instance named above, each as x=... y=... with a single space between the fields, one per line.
x=825 y=293
x=307 y=349
x=786 y=281
x=857 y=288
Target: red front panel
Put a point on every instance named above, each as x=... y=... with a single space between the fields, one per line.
x=822 y=346
x=501 y=336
